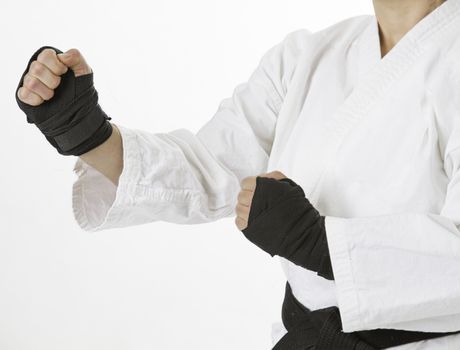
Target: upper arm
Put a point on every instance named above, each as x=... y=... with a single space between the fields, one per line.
x=241 y=132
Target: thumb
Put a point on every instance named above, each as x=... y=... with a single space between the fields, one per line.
x=278 y=175
x=75 y=61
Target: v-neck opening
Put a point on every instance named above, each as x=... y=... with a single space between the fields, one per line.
x=369 y=43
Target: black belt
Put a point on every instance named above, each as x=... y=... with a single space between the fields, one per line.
x=322 y=330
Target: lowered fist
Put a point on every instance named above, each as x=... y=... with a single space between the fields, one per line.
x=44 y=74
x=274 y=214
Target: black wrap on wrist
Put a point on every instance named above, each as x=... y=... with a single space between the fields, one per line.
x=72 y=120
x=283 y=222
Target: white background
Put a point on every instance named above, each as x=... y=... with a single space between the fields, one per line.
x=158 y=65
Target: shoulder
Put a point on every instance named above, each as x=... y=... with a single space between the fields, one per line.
x=283 y=58
x=344 y=31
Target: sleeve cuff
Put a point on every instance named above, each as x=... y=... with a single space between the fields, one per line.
x=99 y=204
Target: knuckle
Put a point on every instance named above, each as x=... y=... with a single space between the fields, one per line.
x=46 y=54
x=35 y=68
x=74 y=52
x=25 y=80
x=32 y=99
x=28 y=81
x=56 y=81
x=238 y=222
x=275 y=174
x=242 y=209
x=22 y=94
x=49 y=94
x=34 y=84
x=60 y=69
x=248 y=181
x=237 y=209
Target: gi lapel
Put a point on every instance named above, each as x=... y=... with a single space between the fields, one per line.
x=368 y=46
x=372 y=86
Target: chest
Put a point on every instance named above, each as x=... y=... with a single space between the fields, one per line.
x=386 y=161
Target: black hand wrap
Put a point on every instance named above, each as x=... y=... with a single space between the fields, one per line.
x=72 y=120
x=283 y=222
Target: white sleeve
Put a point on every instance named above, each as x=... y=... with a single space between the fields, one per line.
x=188 y=178
x=402 y=270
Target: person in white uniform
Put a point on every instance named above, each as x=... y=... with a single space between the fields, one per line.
x=363 y=115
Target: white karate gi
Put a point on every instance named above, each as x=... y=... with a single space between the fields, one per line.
x=374 y=143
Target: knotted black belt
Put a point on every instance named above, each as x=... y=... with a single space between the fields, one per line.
x=322 y=330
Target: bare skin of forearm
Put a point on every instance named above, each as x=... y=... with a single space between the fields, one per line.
x=107 y=158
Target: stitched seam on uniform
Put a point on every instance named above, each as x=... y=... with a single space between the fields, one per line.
x=173 y=192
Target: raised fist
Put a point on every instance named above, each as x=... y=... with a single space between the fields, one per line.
x=44 y=74
x=63 y=102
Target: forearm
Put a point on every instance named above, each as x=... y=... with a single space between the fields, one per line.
x=107 y=158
